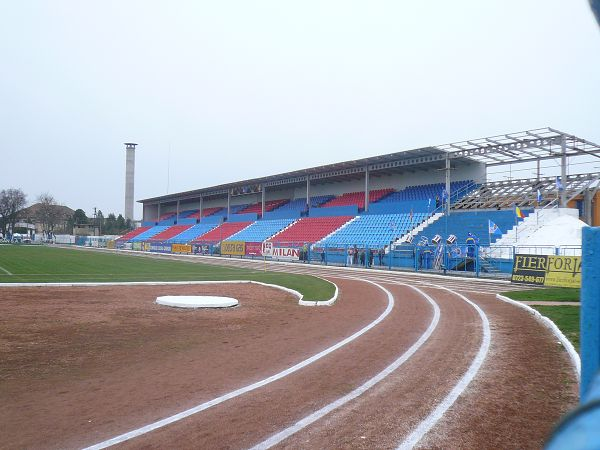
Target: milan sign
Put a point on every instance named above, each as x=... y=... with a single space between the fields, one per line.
x=286 y=253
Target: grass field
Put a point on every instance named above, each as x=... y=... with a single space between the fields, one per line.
x=566 y=318
x=546 y=294
x=43 y=264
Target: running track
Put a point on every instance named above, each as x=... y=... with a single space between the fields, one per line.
x=436 y=363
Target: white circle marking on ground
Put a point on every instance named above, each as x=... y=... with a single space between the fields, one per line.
x=196 y=301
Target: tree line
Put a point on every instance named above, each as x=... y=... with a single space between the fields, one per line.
x=49 y=214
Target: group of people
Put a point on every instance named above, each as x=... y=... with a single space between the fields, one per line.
x=365 y=257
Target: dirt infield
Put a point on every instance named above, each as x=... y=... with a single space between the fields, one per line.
x=81 y=365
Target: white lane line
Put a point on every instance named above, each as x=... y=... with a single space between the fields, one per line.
x=311 y=418
x=4 y=270
x=431 y=420
x=203 y=406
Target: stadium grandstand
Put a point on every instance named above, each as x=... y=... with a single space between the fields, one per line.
x=383 y=201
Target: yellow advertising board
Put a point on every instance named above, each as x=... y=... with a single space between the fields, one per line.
x=110 y=244
x=237 y=248
x=145 y=246
x=181 y=248
x=547 y=270
x=564 y=271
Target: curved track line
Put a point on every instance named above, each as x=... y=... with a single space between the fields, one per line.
x=203 y=406
x=431 y=420
x=284 y=434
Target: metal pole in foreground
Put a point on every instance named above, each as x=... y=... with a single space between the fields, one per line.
x=590 y=306
x=579 y=429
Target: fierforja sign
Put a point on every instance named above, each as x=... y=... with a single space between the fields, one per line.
x=547 y=270
x=286 y=253
x=237 y=248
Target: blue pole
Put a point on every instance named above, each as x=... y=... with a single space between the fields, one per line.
x=590 y=307
x=579 y=430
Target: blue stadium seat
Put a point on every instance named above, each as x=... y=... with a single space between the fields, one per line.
x=261 y=230
x=192 y=233
x=149 y=233
x=460 y=223
x=374 y=230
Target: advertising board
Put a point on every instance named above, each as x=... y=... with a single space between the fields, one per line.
x=163 y=248
x=237 y=248
x=547 y=270
x=254 y=248
x=267 y=248
x=181 y=248
x=286 y=253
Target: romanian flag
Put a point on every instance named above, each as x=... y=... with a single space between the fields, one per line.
x=519 y=213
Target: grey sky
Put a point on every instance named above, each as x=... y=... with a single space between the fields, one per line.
x=252 y=88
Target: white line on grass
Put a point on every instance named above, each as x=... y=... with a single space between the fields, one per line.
x=4 y=270
x=203 y=406
x=284 y=434
x=431 y=420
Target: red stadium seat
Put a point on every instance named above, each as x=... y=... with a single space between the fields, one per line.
x=221 y=233
x=133 y=233
x=170 y=232
x=309 y=230
x=357 y=198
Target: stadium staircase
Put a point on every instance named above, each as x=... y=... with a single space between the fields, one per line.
x=416 y=230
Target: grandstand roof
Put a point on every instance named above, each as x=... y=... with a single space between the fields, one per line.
x=524 y=146
x=532 y=145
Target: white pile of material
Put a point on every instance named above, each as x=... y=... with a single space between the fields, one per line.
x=560 y=231
x=196 y=301
x=543 y=232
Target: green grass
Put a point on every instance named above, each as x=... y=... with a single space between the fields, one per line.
x=566 y=318
x=545 y=294
x=42 y=264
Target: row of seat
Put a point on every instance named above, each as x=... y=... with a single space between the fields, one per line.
x=357 y=198
x=374 y=230
x=261 y=230
x=421 y=192
x=310 y=230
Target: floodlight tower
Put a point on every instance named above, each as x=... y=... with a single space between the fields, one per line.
x=129 y=178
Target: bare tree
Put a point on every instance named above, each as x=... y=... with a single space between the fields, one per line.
x=47 y=212
x=11 y=202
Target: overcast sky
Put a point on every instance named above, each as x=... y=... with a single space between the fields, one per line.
x=241 y=89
